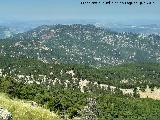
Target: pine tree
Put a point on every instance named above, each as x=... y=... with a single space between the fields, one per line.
x=90 y=111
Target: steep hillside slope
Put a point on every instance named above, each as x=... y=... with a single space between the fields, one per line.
x=82 y=44
x=21 y=110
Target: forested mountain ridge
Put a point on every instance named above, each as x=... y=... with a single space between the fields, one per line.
x=82 y=44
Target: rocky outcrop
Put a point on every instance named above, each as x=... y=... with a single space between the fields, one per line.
x=5 y=115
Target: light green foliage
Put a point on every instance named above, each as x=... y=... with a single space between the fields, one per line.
x=21 y=110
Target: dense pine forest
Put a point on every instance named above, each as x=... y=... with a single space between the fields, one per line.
x=30 y=79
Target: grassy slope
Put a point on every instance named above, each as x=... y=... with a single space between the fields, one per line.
x=24 y=111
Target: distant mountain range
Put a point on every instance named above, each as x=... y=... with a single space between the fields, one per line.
x=144 y=29
x=6 y=32
x=134 y=27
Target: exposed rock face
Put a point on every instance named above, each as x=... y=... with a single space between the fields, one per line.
x=5 y=115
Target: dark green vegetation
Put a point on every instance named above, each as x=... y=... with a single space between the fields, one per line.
x=60 y=98
x=82 y=44
x=109 y=106
x=137 y=74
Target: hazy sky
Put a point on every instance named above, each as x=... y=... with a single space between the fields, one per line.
x=66 y=9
